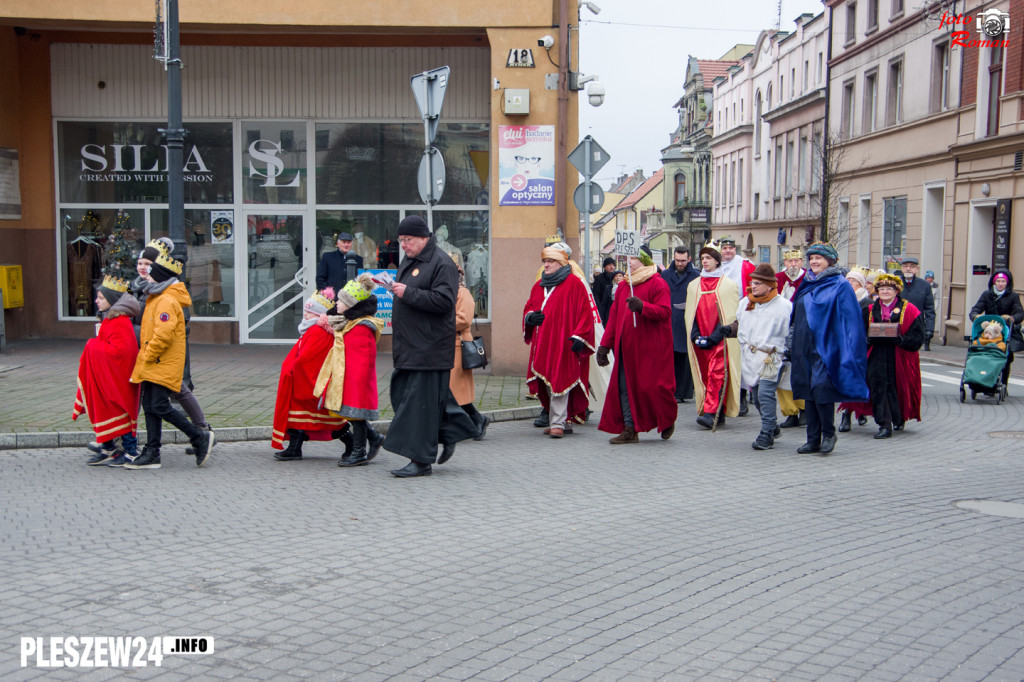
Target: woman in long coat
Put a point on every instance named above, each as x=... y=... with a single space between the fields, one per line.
x=894 y=367
x=1000 y=299
x=461 y=380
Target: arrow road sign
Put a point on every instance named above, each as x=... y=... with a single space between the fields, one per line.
x=430 y=179
x=428 y=88
x=598 y=157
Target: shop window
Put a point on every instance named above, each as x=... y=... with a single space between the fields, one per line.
x=84 y=234
x=114 y=163
x=209 y=273
x=274 y=162
x=377 y=163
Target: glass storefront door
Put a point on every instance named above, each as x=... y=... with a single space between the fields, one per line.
x=280 y=271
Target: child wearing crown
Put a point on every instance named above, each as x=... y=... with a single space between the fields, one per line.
x=298 y=416
x=347 y=382
x=105 y=393
x=161 y=362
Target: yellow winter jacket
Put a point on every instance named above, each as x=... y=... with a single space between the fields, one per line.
x=161 y=357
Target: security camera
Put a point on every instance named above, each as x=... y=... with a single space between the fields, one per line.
x=546 y=42
x=595 y=91
x=589 y=5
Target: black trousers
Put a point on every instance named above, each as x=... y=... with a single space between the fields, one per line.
x=156 y=402
x=821 y=421
x=684 y=379
x=425 y=414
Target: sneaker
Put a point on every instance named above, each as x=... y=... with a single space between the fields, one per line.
x=102 y=457
x=203 y=448
x=149 y=459
x=107 y=447
x=765 y=441
x=120 y=460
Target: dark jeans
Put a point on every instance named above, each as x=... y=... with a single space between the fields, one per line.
x=684 y=379
x=821 y=421
x=156 y=402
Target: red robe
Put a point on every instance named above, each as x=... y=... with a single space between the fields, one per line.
x=105 y=391
x=646 y=351
x=782 y=279
x=554 y=369
x=296 y=406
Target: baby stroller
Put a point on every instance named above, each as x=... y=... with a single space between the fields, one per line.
x=983 y=369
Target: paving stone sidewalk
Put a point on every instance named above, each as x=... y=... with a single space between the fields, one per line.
x=236 y=386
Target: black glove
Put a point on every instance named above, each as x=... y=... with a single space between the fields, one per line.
x=635 y=304
x=578 y=347
x=602 y=356
x=534 y=318
x=716 y=337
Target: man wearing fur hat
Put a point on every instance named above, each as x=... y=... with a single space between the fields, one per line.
x=423 y=320
x=298 y=415
x=639 y=332
x=558 y=323
x=762 y=322
x=711 y=303
x=105 y=392
x=827 y=347
x=161 y=363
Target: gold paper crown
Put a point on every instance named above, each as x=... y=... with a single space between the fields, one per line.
x=889 y=280
x=159 y=246
x=552 y=239
x=115 y=284
x=322 y=300
x=165 y=261
x=794 y=253
x=712 y=244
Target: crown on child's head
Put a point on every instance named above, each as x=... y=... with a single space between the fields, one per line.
x=115 y=284
x=165 y=261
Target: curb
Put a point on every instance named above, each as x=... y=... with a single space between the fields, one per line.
x=68 y=439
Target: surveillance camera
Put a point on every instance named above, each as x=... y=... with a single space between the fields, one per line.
x=595 y=91
x=589 y=5
x=546 y=42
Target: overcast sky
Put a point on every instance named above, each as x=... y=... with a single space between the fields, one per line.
x=639 y=49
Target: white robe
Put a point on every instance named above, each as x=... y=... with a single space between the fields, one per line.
x=763 y=328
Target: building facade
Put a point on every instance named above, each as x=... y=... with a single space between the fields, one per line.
x=298 y=128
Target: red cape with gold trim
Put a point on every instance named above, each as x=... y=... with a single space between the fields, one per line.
x=105 y=391
x=296 y=406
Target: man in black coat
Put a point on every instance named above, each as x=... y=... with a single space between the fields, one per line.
x=602 y=283
x=919 y=292
x=678 y=276
x=423 y=323
x=332 y=270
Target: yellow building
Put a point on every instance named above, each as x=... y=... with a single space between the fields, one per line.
x=300 y=124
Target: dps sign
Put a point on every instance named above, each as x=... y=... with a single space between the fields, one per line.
x=628 y=243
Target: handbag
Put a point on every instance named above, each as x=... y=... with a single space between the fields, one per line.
x=474 y=355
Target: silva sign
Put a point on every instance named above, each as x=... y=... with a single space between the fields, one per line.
x=127 y=162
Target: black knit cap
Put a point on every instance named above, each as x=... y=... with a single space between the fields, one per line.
x=413 y=226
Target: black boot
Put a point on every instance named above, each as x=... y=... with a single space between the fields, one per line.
x=374 y=439
x=743 y=403
x=844 y=422
x=765 y=441
x=542 y=420
x=482 y=421
x=413 y=469
x=790 y=422
x=802 y=419
x=344 y=434
x=357 y=457
x=294 y=449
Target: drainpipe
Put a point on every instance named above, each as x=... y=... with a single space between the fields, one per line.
x=825 y=184
x=562 y=155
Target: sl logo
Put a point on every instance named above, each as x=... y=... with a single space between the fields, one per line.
x=267 y=153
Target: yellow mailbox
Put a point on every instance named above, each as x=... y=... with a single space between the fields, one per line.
x=10 y=282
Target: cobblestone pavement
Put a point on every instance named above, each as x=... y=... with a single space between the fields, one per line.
x=529 y=558
x=236 y=385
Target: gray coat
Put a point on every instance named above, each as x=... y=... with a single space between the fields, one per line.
x=423 y=320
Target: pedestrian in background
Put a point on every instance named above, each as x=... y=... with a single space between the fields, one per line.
x=827 y=347
x=678 y=276
x=160 y=364
x=601 y=288
x=641 y=393
x=332 y=270
x=919 y=292
x=461 y=379
x=1000 y=299
x=423 y=319
x=105 y=392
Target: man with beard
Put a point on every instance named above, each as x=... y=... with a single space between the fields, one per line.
x=828 y=347
x=558 y=323
x=639 y=332
x=712 y=300
x=919 y=292
x=738 y=269
x=678 y=277
x=787 y=282
x=423 y=319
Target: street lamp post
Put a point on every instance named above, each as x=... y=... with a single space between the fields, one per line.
x=174 y=133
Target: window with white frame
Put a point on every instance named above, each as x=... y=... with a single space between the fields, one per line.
x=868 y=121
x=939 y=100
x=846 y=125
x=872 y=14
x=789 y=168
x=802 y=165
x=739 y=182
x=894 y=100
x=851 y=22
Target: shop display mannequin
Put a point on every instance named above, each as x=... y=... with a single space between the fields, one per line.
x=365 y=247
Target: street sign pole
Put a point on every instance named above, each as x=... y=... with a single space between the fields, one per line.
x=426 y=152
x=428 y=88
x=588 y=158
x=587 y=268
